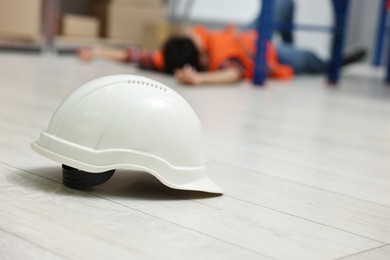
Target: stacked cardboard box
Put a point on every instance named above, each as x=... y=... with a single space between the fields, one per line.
x=124 y=21
x=138 y=22
x=155 y=33
x=21 y=19
x=80 y=26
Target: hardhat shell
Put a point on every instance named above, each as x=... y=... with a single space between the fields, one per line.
x=129 y=122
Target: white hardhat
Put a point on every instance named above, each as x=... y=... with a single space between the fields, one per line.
x=128 y=122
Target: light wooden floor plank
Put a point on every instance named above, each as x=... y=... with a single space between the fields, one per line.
x=315 y=148
x=77 y=224
x=248 y=225
x=331 y=209
x=256 y=229
x=13 y=247
x=380 y=253
x=304 y=168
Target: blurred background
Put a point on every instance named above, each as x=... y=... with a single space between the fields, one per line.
x=65 y=25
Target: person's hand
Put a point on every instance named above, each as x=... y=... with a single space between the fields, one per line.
x=188 y=75
x=87 y=54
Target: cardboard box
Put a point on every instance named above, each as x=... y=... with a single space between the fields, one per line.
x=80 y=26
x=138 y=3
x=123 y=21
x=129 y=23
x=131 y=3
x=21 y=18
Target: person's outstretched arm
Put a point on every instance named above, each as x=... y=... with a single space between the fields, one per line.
x=132 y=55
x=189 y=76
x=88 y=54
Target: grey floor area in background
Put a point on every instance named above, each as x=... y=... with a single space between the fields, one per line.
x=305 y=169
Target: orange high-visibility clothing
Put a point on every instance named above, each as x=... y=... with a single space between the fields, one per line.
x=227 y=44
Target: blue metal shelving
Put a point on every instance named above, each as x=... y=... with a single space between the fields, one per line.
x=265 y=27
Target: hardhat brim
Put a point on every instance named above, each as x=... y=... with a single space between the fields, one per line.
x=181 y=178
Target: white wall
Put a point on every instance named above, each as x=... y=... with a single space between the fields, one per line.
x=362 y=28
x=221 y=11
x=314 y=12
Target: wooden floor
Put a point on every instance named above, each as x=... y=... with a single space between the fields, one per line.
x=305 y=169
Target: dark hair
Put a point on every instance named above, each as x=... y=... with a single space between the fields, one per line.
x=179 y=51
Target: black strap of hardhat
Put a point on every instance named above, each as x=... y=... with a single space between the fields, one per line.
x=77 y=179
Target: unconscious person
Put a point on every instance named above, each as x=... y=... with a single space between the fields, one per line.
x=202 y=56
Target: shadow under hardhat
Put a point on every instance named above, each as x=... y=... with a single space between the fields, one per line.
x=123 y=184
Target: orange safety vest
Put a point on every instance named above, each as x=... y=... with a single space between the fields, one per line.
x=228 y=43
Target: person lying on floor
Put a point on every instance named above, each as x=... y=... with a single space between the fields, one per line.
x=202 y=56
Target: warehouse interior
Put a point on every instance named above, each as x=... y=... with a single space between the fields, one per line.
x=281 y=166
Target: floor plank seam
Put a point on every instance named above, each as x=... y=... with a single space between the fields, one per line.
x=29 y=172
x=361 y=252
x=184 y=227
x=303 y=184
x=309 y=220
x=32 y=242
